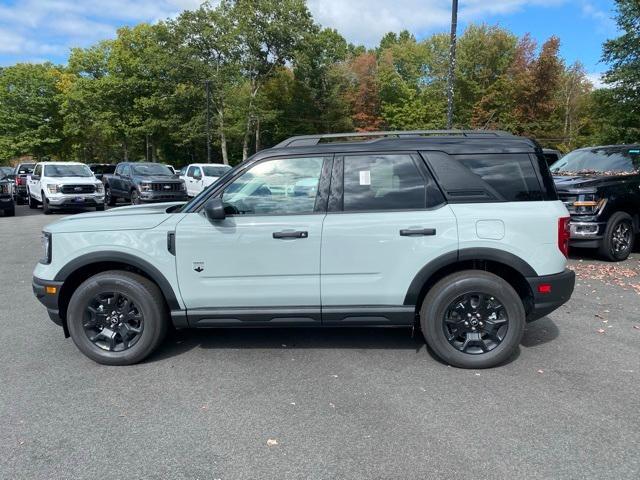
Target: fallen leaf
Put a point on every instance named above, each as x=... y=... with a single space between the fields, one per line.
x=600 y=330
x=540 y=371
x=272 y=442
x=637 y=327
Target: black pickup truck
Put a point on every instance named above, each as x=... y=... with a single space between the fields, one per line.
x=601 y=188
x=140 y=182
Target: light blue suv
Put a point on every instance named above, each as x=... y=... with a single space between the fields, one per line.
x=457 y=233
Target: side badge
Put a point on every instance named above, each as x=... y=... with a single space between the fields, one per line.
x=198 y=266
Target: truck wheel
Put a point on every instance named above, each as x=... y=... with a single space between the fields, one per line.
x=10 y=212
x=617 y=243
x=135 y=197
x=108 y=198
x=33 y=203
x=472 y=319
x=117 y=317
x=19 y=200
x=46 y=209
x=100 y=208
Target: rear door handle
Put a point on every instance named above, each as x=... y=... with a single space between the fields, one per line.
x=290 y=234
x=408 y=232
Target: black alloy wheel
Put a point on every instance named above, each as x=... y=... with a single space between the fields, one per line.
x=619 y=236
x=475 y=323
x=113 y=322
x=108 y=199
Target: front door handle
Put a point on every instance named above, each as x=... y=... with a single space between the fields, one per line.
x=408 y=232
x=290 y=234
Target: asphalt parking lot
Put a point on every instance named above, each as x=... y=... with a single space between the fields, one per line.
x=321 y=404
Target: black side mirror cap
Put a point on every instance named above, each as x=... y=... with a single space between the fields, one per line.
x=214 y=210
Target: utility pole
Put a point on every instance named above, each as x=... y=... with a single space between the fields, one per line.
x=206 y=82
x=452 y=63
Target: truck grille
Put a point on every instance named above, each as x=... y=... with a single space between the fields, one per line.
x=78 y=189
x=165 y=187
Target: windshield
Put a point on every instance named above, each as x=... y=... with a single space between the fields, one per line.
x=215 y=171
x=598 y=160
x=102 y=169
x=61 y=170
x=146 y=169
x=26 y=168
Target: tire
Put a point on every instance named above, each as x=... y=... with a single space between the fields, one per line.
x=46 y=209
x=619 y=225
x=135 y=197
x=33 y=203
x=108 y=199
x=145 y=297
x=19 y=201
x=10 y=212
x=438 y=302
x=99 y=208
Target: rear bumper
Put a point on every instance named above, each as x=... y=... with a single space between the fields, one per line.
x=561 y=287
x=49 y=300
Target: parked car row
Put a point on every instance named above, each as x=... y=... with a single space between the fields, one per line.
x=72 y=184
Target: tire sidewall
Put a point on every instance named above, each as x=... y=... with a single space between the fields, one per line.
x=614 y=221
x=445 y=292
x=153 y=314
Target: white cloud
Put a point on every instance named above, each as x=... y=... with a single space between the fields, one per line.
x=596 y=80
x=365 y=21
x=604 y=20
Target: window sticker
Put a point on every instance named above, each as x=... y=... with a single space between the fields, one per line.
x=365 y=177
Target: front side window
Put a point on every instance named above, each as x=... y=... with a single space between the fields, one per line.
x=275 y=187
x=215 y=171
x=38 y=170
x=382 y=182
x=196 y=173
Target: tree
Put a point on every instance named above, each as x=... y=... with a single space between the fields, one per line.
x=30 y=120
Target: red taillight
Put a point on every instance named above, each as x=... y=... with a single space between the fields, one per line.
x=544 y=288
x=19 y=181
x=564 y=233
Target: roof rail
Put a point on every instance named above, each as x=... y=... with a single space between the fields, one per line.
x=310 y=140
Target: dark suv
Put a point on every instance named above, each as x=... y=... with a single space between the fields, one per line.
x=601 y=188
x=143 y=182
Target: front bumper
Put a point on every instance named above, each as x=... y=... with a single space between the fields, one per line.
x=49 y=300
x=63 y=200
x=159 y=196
x=560 y=288
x=6 y=201
x=586 y=234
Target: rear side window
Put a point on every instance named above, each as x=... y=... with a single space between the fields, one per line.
x=487 y=177
x=382 y=182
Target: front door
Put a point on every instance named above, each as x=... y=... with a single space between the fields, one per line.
x=261 y=264
x=387 y=220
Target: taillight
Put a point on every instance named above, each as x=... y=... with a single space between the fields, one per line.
x=19 y=181
x=564 y=232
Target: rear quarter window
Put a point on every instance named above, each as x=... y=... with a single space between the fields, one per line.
x=487 y=177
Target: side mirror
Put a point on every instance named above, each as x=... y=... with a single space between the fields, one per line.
x=214 y=210
x=35 y=177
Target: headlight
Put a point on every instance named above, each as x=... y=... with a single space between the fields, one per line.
x=99 y=187
x=145 y=187
x=46 y=248
x=586 y=204
x=53 y=188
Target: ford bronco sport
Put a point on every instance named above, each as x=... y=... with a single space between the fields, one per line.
x=460 y=234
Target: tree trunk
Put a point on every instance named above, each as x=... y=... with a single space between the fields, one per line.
x=125 y=150
x=257 y=134
x=223 y=137
x=245 y=141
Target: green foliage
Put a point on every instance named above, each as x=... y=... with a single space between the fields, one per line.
x=273 y=73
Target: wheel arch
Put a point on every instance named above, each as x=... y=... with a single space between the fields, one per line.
x=79 y=269
x=506 y=265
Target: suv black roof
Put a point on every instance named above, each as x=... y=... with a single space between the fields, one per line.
x=448 y=141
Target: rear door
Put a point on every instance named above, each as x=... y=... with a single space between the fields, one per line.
x=387 y=219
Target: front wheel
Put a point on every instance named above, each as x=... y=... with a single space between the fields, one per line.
x=109 y=199
x=117 y=318
x=135 y=197
x=10 y=212
x=33 y=203
x=100 y=208
x=473 y=319
x=617 y=243
x=46 y=208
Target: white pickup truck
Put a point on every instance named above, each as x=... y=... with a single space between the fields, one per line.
x=198 y=176
x=64 y=185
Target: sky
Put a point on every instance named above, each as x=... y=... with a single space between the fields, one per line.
x=46 y=30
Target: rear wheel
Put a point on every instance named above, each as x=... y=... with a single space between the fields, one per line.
x=117 y=318
x=473 y=319
x=617 y=243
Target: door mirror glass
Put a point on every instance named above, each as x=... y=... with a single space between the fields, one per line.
x=214 y=210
